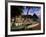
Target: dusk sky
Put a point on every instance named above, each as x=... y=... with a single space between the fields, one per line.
x=32 y=10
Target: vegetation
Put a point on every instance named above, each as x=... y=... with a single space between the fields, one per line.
x=16 y=12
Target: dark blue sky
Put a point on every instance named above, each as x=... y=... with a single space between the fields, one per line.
x=32 y=10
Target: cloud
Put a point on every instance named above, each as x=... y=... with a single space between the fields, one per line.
x=32 y=10
x=24 y=11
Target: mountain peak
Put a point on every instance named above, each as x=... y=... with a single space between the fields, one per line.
x=35 y=16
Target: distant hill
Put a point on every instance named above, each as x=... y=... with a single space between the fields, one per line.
x=30 y=16
x=35 y=16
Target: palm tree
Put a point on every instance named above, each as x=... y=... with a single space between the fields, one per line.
x=16 y=10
